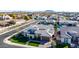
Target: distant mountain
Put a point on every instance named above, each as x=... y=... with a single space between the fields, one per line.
x=50 y=11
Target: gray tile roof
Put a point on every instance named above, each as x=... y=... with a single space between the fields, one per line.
x=43 y=30
x=64 y=30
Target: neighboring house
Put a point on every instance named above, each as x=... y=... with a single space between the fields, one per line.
x=5 y=17
x=38 y=17
x=1 y=17
x=70 y=35
x=75 y=36
x=35 y=16
x=39 y=33
x=42 y=18
x=6 y=20
x=52 y=17
x=18 y=16
x=65 y=38
x=47 y=22
x=77 y=18
x=68 y=22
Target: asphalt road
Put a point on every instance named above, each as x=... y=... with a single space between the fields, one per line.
x=3 y=36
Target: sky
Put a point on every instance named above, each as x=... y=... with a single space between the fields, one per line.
x=40 y=5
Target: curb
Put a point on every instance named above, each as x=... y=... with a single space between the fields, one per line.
x=6 y=40
x=16 y=44
x=15 y=28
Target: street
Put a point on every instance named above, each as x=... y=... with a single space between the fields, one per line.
x=3 y=36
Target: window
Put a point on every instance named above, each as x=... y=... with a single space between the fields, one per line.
x=65 y=40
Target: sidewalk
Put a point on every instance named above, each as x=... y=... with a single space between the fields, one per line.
x=7 y=29
x=6 y=40
x=16 y=44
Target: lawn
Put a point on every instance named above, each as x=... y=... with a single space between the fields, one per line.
x=20 y=39
x=64 y=45
x=36 y=44
x=17 y=40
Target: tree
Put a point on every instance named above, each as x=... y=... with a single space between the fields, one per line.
x=13 y=16
x=26 y=17
x=55 y=26
x=1 y=14
x=63 y=45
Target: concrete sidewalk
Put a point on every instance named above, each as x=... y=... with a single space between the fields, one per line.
x=6 y=40
x=6 y=29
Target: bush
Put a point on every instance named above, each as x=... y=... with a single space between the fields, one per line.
x=34 y=44
x=13 y=16
x=62 y=45
x=26 y=17
x=19 y=39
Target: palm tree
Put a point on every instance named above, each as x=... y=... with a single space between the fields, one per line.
x=55 y=37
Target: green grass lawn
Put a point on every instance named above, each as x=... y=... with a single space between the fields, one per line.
x=36 y=44
x=16 y=40
x=23 y=41
x=64 y=45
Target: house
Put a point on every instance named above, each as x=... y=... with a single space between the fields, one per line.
x=47 y=22
x=6 y=20
x=77 y=18
x=42 y=18
x=38 y=17
x=75 y=36
x=52 y=17
x=68 y=22
x=65 y=38
x=5 y=17
x=70 y=35
x=39 y=33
